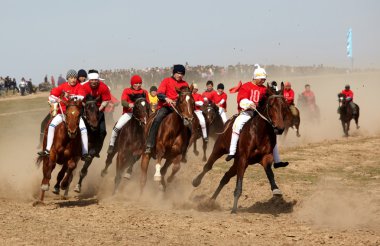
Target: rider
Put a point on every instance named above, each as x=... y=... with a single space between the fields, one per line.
x=210 y=94
x=82 y=75
x=153 y=99
x=98 y=89
x=70 y=89
x=167 y=96
x=198 y=104
x=221 y=102
x=249 y=96
x=309 y=97
x=128 y=98
x=350 y=98
x=289 y=98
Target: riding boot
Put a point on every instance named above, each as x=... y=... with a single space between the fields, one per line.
x=152 y=136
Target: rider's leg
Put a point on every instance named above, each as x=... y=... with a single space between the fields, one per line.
x=277 y=160
x=236 y=128
x=84 y=137
x=202 y=122
x=115 y=131
x=353 y=107
x=102 y=133
x=223 y=114
x=50 y=136
x=151 y=139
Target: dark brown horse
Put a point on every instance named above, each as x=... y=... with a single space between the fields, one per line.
x=173 y=138
x=214 y=125
x=347 y=113
x=130 y=142
x=66 y=149
x=256 y=143
x=91 y=116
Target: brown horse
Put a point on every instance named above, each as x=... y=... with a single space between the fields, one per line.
x=293 y=121
x=130 y=143
x=66 y=149
x=257 y=140
x=347 y=113
x=91 y=116
x=214 y=124
x=173 y=138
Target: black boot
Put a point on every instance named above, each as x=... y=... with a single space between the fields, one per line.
x=230 y=157
x=280 y=164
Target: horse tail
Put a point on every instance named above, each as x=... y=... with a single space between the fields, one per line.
x=39 y=160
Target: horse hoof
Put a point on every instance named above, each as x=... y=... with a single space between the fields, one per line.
x=56 y=190
x=38 y=203
x=77 y=188
x=103 y=173
x=196 y=153
x=196 y=182
x=233 y=211
x=204 y=159
x=127 y=175
x=277 y=192
x=157 y=175
x=45 y=187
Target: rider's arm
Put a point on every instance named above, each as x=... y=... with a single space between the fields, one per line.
x=246 y=103
x=199 y=103
x=103 y=105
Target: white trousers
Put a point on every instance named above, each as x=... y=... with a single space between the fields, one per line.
x=58 y=119
x=236 y=129
x=223 y=114
x=119 y=124
x=202 y=122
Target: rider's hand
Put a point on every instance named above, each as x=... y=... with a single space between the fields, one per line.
x=131 y=105
x=169 y=101
x=252 y=106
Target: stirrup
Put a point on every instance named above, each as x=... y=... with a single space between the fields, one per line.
x=148 y=150
x=230 y=157
x=44 y=153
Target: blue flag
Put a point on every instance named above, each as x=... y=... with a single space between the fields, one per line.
x=349 y=43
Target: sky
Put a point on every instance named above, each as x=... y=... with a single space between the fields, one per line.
x=50 y=37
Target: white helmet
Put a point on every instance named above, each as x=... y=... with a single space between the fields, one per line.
x=259 y=73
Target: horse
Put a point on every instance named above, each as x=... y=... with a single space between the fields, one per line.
x=256 y=143
x=66 y=149
x=346 y=113
x=293 y=121
x=214 y=125
x=310 y=112
x=173 y=138
x=52 y=112
x=91 y=117
x=130 y=142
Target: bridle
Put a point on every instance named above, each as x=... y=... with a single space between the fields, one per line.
x=141 y=122
x=266 y=110
x=189 y=120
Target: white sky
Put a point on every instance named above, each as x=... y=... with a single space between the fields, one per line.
x=49 y=37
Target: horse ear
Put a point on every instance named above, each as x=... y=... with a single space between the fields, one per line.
x=282 y=86
x=269 y=89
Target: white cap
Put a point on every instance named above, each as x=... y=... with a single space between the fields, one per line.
x=195 y=86
x=259 y=73
x=91 y=76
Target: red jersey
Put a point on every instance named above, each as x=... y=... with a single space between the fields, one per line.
x=103 y=92
x=168 y=88
x=210 y=95
x=76 y=90
x=349 y=94
x=130 y=95
x=289 y=96
x=310 y=98
x=111 y=105
x=252 y=92
x=222 y=99
x=198 y=100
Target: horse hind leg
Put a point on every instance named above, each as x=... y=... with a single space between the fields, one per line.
x=164 y=169
x=226 y=178
x=60 y=176
x=273 y=186
x=196 y=152
x=241 y=166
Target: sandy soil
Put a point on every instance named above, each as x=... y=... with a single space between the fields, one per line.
x=331 y=189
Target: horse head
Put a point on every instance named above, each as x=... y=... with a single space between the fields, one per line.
x=141 y=110
x=211 y=112
x=341 y=99
x=186 y=104
x=276 y=109
x=73 y=112
x=91 y=112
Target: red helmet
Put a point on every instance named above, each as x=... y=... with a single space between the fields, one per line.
x=136 y=79
x=287 y=83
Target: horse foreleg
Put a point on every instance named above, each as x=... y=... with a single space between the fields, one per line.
x=60 y=176
x=196 y=152
x=48 y=167
x=108 y=163
x=204 y=151
x=83 y=173
x=226 y=178
x=164 y=169
x=144 y=169
x=241 y=166
x=267 y=165
x=217 y=152
x=344 y=129
x=120 y=168
x=175 y=168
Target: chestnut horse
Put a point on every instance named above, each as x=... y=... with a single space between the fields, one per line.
x=66 y=149
x=214 y=124
x=293 y=121
x=256 y=143
x=346 y=113
x=91 y=117
x=172 y=139
x=130 y=142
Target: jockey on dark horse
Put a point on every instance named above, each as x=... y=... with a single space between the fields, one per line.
x=98 y=89
x=70 y=89
x=249 y=96
x=199 y=101
x=350 y=99
x=128 y=98
x=167 y=96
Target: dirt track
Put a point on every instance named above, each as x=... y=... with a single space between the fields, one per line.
x=331 y=196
